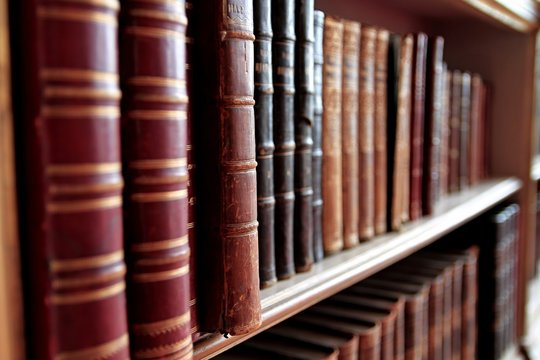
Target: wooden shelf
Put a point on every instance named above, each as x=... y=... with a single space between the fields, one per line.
x=519 y=15
x=342 y=270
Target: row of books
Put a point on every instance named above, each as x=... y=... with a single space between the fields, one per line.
x=424 y=307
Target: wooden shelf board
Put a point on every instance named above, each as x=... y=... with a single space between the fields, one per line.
x=535 y=168
x=519 y=15
x=342 y=270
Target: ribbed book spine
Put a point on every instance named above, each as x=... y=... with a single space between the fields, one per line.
x=74 y=198
x=349 y=132
x=331 y=136
x=316 y=170
x=283 y=20
x=227 y=195
x=264 y=90
x=303 y=124
x=154 y=133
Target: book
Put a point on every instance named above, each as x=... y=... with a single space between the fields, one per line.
x=71 y=181
x=417 y=124
x=476 y=143
x=283 y=26
x=454 y=138
x=366 y=132
x=316 y=169
x=303 y=123
x=349 y=132
x=264 y=89
x=227 y=197
x=445 y=133
x=331 y=135
x=465 y=132
x=154 y=114
x=380 y=129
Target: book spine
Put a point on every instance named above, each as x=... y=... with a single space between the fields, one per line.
x=399 y=332
x=264 y=90
x=417 y=125
x=475 y=165
x=445 y=133
x=349 y=132
x=317 y=154
x=331 y=136
x=366 y=130
x=455 y=116
x=75 y=219
x=381 y=71
x=283 y=70
x=414 y=324
x=447 y=314
x=465 y=132
x=227 y=211
x=303 y=123
x=457 y=289
x=369 y=344
x=470 y=296
x=436 y=311
x=433 y=124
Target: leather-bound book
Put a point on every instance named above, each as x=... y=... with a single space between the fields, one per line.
x=398 y=138
x=283 y=20
x=316 y=164
x=264 y=138
x=154 y=108
x=349 y=132
x=303 y=126
x=71 y=179
x=331 y=136
x=191 y=181
x=454 y=134
x=475 y=165
x=366 y=132
x=445 y=133
x=380 y=130
x=485 y=126
x=417 y=124
x=433 y=124
x=227 y=196
x=465 y=132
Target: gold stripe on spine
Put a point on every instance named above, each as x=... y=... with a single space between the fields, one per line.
x=160 y=245
x=163 y=326
x=182 y=99
x=161 y=275
x=86 y=263
x=102 y=351
x=82 y=15
x=159 y=196
x=60 y=189
x=70 y=206
x=153 y=32
x=78 y=75
x=86 y=296
x=174 y=115
x=78 y=111
x=110 y=4
x=160 y=15
x=150 y=164
x=159 y=180
x=156 y=81
x=163 y=261
x=165 y=350
x=84 y=92
x=89 y=280
x=84 y=168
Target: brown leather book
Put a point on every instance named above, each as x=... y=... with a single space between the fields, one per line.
x=380 y=130
x=465 y=132
x=485 y=126
x=227 y=195
x=154 y=108
x=417 y=124
x=433 y=125
x=331 y=136
x=349 y=132
x=366 y=132
x=455 y=121
x=71 y=178
x=475 y=165
x=445 y=133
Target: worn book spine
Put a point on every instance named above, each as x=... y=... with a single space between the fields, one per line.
x=465 y=132
x=349 y=132
x=470 y=299
x=475 y=165
x=154 y=114
x=72 y=183
x=485 y=126
x=366 y=132
x=264 y=90
x=227 y=211
x=316 y=169
x=283 y=20
x=417 y=124
x=454 y=125
x=331 y=136
x=303 y=126
x=445 y=133
x=381 y=73
x=433 y=124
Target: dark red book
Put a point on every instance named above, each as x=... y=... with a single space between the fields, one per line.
x=454 y=132
x=465 y=133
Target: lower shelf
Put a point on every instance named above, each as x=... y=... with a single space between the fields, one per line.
x=342 y=270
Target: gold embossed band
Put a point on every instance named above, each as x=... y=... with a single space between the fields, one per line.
x=161 y=275
x=160 y=15
x=102 y=351
x=163 y=326
x=150 y=164
x=82 y=15
x=86 y=263
x=160 y=180
x=160 y=196
x=84 y=168
x=78 y=75
x=160 y=245
x=174 y=115
x=164 y=260
x=62 y=189
x=72 y=206
x=153 y=32
x=165 y=350
x=81 y=111
x=156 y=81
x=110 y=4
x=181 y=99
x=86 y=296
x=82 y=92
x=89 y=280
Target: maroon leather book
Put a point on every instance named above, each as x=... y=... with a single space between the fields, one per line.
x=227 y=196
x=154 y=114
x=465 y=133
x=417 y=124
x=72 y=205
x=445 y=133
x=455 y=119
